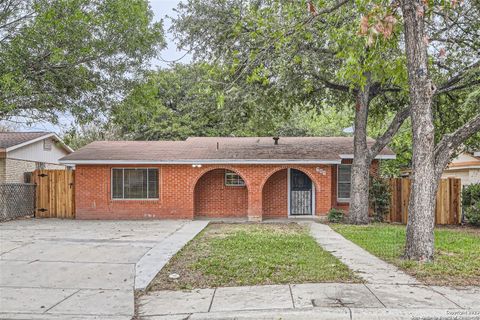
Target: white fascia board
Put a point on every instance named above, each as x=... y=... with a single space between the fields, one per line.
x=379 y=157
x=200 y=161
x=461 y=168
x=48 y=135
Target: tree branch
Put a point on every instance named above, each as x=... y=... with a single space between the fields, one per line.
x=387 y=136
x=451 y=84
x=451 y=142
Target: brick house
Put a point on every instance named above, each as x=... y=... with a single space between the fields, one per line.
x=252 y=178
x=23 y=152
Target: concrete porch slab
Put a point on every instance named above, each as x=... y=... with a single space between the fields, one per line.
x=251 y=298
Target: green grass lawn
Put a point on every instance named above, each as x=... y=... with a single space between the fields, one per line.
x=251 y=254
x=457 y=251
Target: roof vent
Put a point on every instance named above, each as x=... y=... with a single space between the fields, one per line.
x=276 y=140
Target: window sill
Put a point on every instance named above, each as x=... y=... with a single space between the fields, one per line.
x=343 y=200
x=149 y=199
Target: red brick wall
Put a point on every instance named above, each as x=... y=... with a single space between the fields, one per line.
x=176 y=191
x=214 y=199
x=274 y=198
x=345 y=205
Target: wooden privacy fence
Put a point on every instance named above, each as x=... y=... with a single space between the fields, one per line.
x=448 y=204
x=55 y=193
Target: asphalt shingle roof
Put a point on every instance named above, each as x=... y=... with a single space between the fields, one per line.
x=10 y=139
x=220 y=148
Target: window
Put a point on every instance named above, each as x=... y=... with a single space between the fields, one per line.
x=47 y=145
x=233 y=180
x=134 y=183
x=28 y=177
x=343 y=182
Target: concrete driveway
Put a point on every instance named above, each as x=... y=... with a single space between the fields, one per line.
x=68 y=269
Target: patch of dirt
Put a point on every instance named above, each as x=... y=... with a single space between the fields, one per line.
x=467 y=229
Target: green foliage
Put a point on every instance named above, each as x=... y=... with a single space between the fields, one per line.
x=457 y=252
x=324 y=121
x=81 y=135
x=190 y=100
x=336 y=215
x=75 y=56
x=471 y=194
x=472 y=214
x=379 y=197
x=471 y=203
x=251 y=254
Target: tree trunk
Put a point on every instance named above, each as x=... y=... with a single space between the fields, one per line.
x=421 y=217
x=360 y=179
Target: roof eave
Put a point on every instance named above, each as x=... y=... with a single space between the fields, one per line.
x=47 y=135
x=379 y=157
x=202 y=161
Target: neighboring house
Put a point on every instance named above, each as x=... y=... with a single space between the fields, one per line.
x=466 y=166
x=23 y=152
x=214 y=177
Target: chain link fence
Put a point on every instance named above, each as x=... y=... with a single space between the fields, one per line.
x=16 y=200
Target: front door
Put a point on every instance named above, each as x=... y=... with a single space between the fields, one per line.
x=300 y=194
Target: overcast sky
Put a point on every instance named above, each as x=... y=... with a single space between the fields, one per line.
x=162 y=9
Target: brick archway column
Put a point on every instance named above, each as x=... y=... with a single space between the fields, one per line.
x=255 y=211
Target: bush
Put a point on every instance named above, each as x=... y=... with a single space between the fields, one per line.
x=471 y=203
x=470 y=195
x=335 y=215
x=379 y=196
x=472 y=214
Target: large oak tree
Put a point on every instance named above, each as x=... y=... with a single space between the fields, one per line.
x=307 y=50
x=75 y=56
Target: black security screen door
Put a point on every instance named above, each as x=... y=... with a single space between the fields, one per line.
x=300 y=194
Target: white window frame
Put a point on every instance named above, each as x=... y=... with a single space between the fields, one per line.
x=344 y=200
x=238 y=179
x=123 y=189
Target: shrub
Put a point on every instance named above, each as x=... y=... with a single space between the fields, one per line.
x=472 y=214
x=335 y=215
x=470 y=195
x=379 y=196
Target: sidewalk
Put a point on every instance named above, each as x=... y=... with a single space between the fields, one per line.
x=324 y=300
x=388 y=293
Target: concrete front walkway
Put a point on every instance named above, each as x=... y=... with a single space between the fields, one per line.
x=388 y=293
x=363 y=263
x=73 y=269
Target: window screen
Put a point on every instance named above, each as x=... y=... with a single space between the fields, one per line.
x=233 y=180
x=343 y=182
x=133 y=183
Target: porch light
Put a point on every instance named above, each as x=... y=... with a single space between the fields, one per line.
x=196 y=165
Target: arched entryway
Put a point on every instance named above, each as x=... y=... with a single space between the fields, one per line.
x=221 y=193
x=288 y=192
